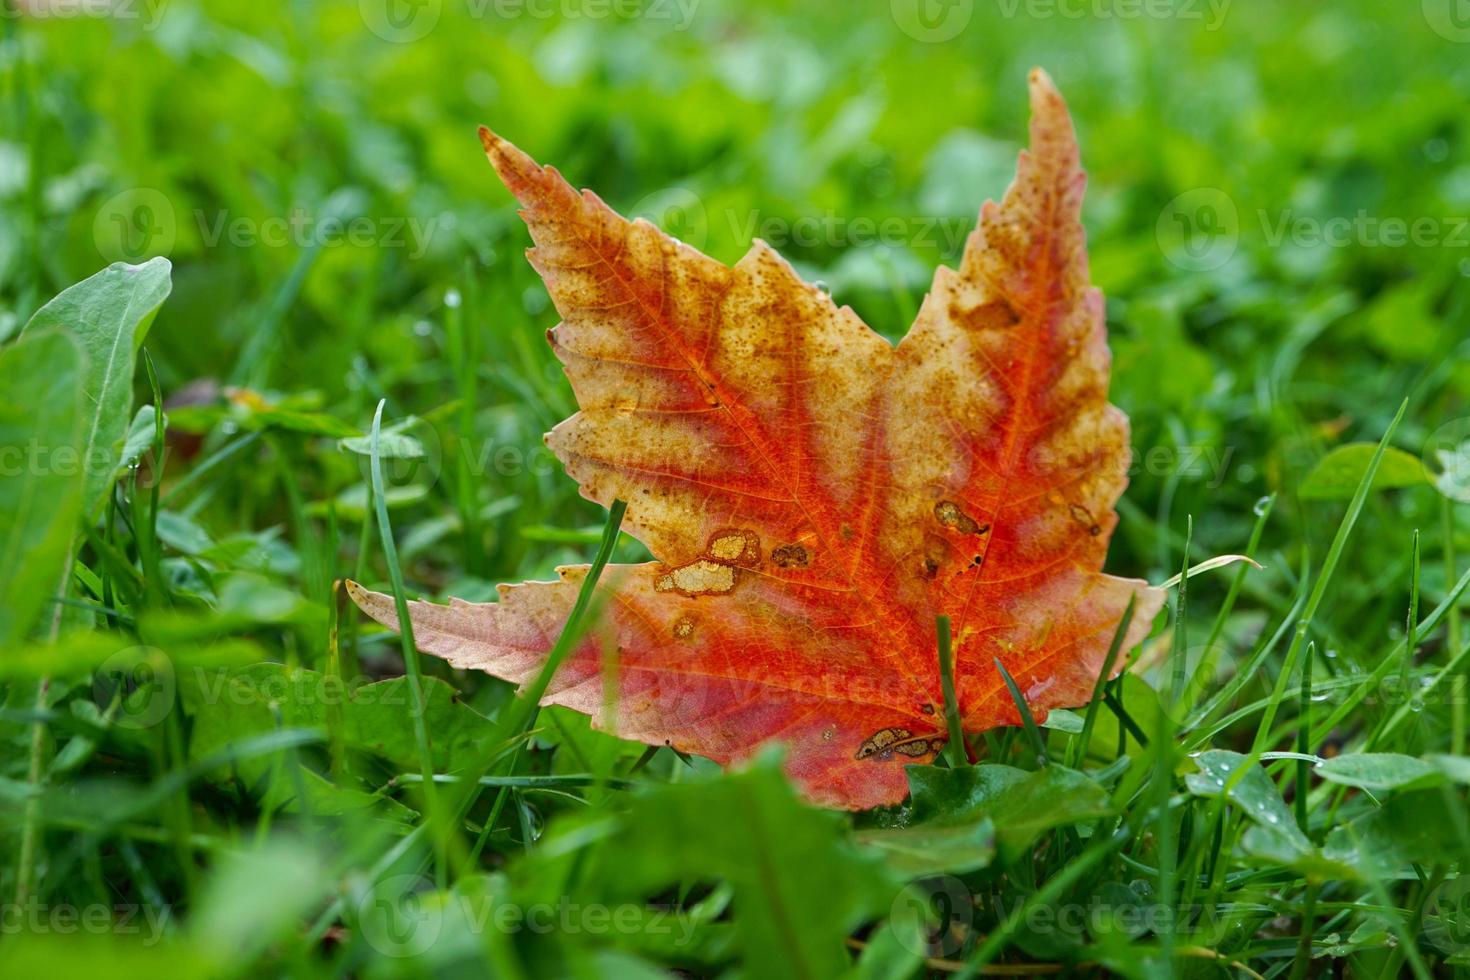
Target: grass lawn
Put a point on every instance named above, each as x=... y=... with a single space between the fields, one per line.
x=211 y=764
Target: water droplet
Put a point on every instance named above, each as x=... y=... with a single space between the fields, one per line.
x=452 y=299
x=1262 y=505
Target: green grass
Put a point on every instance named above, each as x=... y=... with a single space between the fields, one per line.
x=211 y=765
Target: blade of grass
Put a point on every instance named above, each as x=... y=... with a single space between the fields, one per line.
x=1180 y=653
x=417 y=705
x=1028 y=721
x=956 y=751
x=1079 y=755
x=1319 y=590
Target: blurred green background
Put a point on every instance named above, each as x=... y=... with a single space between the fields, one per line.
x=1279 y=214
x=858 y=139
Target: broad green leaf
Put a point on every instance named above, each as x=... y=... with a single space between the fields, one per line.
x=375 y=716
x=1427 y=826
x=108 y=316
x=40 y=433
x=1337 y=475
x=785 y=862
x=1379 y=771
x=1456 y=768
x=1254 y=793
x=230 y=921
x=395 y=442
x=140 y=437
x=1022 y=805
x=914 y=852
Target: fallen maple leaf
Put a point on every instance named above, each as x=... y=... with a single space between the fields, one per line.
x=816 y=496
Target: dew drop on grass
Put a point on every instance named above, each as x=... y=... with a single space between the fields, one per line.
x=1262 y=505
x=452 y=299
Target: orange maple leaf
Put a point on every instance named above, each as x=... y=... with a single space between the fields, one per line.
x=816 y=496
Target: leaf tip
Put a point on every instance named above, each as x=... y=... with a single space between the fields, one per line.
x=376 y=605
x=517 y=170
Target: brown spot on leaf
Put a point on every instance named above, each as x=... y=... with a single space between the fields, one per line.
x=791 y=556
x=995 y=315
x=684 y=628
x=881 y=742
x=928 y=709
x=951 y=514
x=738 y=546
x=699 y=577
x=1082 y=515
x=886 y=741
